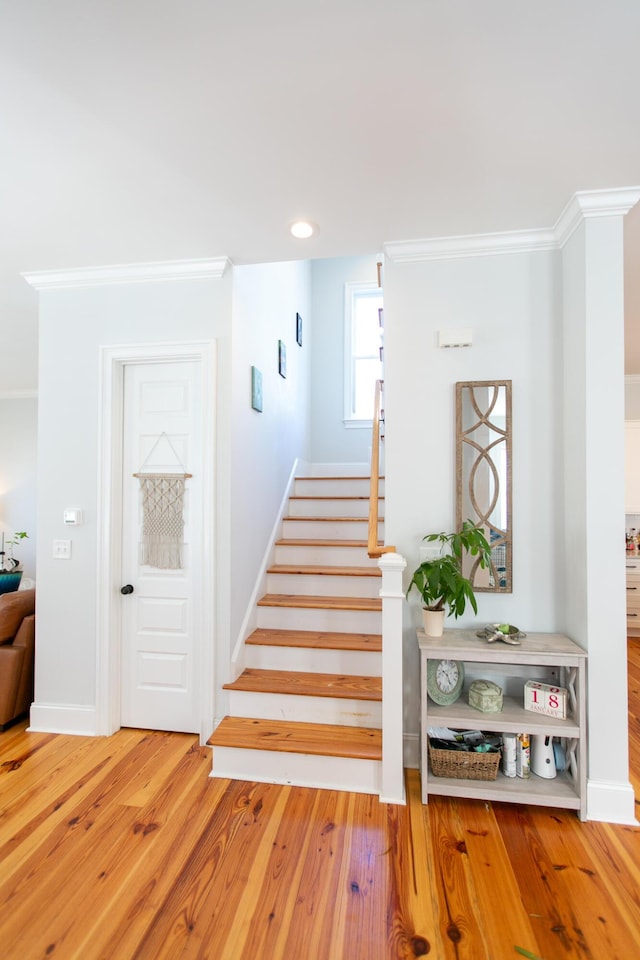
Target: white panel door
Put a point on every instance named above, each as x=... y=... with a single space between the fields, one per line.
x=161 y=641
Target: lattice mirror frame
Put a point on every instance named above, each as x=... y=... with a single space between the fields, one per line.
x=483 y=477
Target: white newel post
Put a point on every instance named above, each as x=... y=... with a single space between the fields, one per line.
x=392 y=780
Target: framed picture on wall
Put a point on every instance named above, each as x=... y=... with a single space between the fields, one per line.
x=256 y=389
x=282 y=359
x=298 y=329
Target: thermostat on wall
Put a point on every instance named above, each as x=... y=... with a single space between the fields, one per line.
x=72 y=517
x=455 y=338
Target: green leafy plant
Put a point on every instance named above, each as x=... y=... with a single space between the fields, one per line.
x=439 y=581
x=7 y=562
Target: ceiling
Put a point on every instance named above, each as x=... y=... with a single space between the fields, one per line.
x=142 y=130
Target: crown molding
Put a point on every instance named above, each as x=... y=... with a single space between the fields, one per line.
x=582 y=205
x=593 y=203
x=128 y=273
x=474 y=245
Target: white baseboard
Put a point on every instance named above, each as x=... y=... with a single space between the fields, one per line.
x=250 y=618
x=411 y=750
x=611 y=802
x=68 y=718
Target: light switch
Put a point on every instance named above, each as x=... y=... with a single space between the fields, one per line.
x=62 y=549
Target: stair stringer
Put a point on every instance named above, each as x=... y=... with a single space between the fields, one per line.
x=250 y=620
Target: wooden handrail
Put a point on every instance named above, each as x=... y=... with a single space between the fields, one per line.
x=374 y=548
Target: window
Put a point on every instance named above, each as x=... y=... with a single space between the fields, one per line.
x=363 y=361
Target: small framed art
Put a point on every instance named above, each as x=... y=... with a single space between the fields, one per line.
x=282 y=359
x=298 y=329
x=256 y=389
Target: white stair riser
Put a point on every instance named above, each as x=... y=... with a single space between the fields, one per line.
x=300 y=709
x=334 y=487
x=331 y=508
x=324 y=556
x=318 y=618
x=297 y=769
x=325 y=585
x=366 y=663
x=305 y=529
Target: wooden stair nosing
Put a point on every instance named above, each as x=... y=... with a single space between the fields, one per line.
x=316 y=639
x=297 y=683
x=307 y=570
x=331 y=519
x=353 y=476
x=305 y=602
x=323 y=497
x=287 y=736
x=308 y=542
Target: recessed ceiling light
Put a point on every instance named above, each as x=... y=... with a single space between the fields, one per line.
x=303 y=229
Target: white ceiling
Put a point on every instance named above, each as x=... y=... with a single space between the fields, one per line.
x=141 y=130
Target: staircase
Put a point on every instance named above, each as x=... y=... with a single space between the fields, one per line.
x=306 y=709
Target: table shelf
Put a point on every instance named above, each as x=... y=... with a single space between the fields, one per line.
x=546 y=651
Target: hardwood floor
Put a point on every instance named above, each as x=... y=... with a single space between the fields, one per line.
x=123 y=848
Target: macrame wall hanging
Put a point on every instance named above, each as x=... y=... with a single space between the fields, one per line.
x=162 y=509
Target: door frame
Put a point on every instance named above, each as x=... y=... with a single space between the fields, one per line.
x=113 y=360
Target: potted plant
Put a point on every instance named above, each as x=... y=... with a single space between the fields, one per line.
x=10 y=575
x=440 y=582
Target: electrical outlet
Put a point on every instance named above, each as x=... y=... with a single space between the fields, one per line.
x=62 y=549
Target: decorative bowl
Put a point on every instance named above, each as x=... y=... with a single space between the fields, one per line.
x=506 y=632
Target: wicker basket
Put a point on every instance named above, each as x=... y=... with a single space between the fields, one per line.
x=461 y=765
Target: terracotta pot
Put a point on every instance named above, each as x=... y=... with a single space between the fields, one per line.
x=433 y=622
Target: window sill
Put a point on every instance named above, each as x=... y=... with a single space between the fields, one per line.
x=358 y=424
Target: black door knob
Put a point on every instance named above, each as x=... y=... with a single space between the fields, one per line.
x=126 y=589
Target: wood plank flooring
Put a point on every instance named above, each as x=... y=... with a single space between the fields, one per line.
x=122 y=848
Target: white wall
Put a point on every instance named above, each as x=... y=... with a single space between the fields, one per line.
x=73 y=325
x=18 y=449
x=513 y=305
x=265 y=446
x=331 y=441
x=594 y=611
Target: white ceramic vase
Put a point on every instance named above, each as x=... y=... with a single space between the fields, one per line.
x=433 y=622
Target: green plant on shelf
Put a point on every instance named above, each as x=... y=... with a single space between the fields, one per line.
x=8 y=563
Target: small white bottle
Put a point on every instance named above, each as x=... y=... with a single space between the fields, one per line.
x=509 y=754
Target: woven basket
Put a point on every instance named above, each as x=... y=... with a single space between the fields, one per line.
x=464 y=766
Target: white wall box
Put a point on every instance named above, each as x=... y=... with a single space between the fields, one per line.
x=550 y=657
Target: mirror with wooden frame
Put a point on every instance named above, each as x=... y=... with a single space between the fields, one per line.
x=483 y=477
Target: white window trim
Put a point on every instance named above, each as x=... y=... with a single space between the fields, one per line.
x=351 y=289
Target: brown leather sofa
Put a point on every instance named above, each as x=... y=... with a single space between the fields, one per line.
x=17 y=651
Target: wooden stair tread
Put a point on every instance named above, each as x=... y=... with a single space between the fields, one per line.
x=308 y=684
x=312 y=496
x=316 y=639
x=360 y=476
x=330 y=519
x=298 y=542
x=321 y=571
x=323 y=603
x=319 y=739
